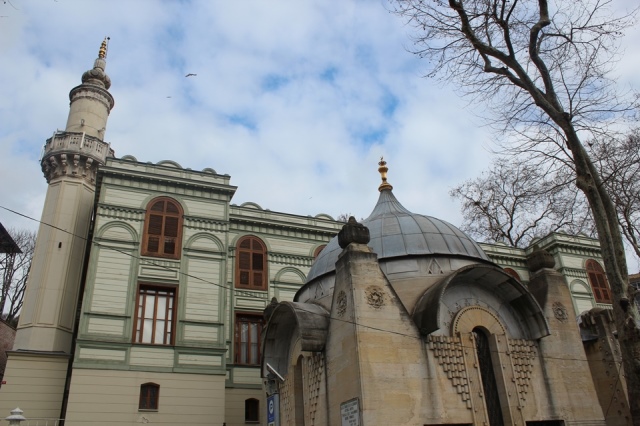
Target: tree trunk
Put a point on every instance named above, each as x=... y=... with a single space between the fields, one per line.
x=613 y=254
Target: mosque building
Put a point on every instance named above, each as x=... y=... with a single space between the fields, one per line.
x=153 y=299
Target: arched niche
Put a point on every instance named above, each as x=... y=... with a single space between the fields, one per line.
x=289 y=321
x=483 y=285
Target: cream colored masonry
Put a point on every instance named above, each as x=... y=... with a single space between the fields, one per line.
x=111 y=397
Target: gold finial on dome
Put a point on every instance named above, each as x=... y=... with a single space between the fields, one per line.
x=383 y=169
x=102 y=53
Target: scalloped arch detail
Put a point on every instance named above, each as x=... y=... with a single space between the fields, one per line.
x=476 y=316
x=118 y=231
x=206 y=242
x=129 y=158
x=169 y=163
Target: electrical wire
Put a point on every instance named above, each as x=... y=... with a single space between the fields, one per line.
x=150 y=262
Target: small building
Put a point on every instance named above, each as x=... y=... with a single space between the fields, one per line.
x=405 y=320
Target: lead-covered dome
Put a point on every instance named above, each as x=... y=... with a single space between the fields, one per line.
x=397 y=232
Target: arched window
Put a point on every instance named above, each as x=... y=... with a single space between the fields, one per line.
x=489 y=384
x=251 y=410
x=251 y=264
x=318 y=250
x=149 y=395
x=598 y=281
x=162 y=229
x=513 y=273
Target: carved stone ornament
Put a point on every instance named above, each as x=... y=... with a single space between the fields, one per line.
x=353 y=232
x=560 y=312
x=341 y=301
x=375 y=297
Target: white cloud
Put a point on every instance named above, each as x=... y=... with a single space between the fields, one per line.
x=295 y=100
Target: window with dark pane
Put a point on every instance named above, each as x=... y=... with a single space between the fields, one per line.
x=149 y=395
x=251 y=264
x=247 y=339
x=489 y=384
x=251 y=410
x=162 y=231
x=598 y=281
x=155 y=313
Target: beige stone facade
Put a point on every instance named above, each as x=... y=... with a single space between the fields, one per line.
x=439 y=335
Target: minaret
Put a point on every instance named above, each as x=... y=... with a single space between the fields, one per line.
x=70 y=162
x=38 y=366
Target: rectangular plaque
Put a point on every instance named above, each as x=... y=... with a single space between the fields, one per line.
x=350 y=412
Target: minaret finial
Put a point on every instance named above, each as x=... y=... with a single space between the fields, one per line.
x=383 y=169
x=102 y=53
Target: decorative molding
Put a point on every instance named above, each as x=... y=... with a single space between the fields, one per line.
x=375 y=296
x=560 y=312
x=434 y=268
x=574 y=272
x=193 y=222
x=448 y=352
x=290 y=260
x=260 y=226
x=341 y=302
x=251 y=294
x=522 y=354
x=287 y=399
x=76 y=155
x=312 y=372
x=122 y=213
x=152 y=182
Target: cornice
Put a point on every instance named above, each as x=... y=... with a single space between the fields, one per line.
x=272 y=227
x=118 y=212
x=166 y=183
x=574 y=272
x=289 y=259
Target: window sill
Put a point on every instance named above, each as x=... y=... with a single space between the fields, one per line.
x=147 y=410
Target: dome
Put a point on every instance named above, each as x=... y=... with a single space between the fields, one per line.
x=396 y=232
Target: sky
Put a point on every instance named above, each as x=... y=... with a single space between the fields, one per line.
x=295 y=100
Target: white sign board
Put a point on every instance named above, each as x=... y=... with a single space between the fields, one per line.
x=350 y=412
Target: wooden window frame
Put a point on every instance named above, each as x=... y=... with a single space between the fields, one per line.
x=252 y=410
x=162 y=239
x=598 y=282
x=149 y=401
x=512 y=272
x=252 y=270
x=170 y=311
x=318 y=250
x=251 y=318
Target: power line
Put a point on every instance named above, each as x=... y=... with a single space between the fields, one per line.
x=150 y=262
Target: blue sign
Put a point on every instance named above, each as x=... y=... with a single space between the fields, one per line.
x=273 y=409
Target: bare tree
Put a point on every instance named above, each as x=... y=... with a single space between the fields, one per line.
x=618 y=161
x=542 y=70
x=15 y=269
x=514 y=202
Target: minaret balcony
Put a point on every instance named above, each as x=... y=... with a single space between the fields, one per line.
x=74 y=154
